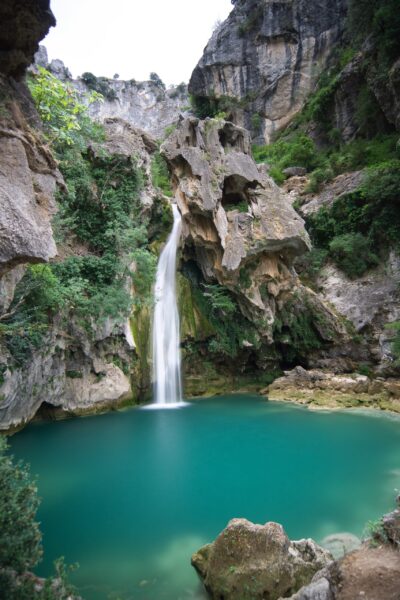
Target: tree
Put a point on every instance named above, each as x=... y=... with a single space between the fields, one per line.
x=63 y=114
x=157 y=80
x=20 y=538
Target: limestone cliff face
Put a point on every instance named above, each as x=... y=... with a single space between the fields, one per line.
x=238 y=226
x=74 y=370
x=267 y=57
x=77 y=370
x=143 y=104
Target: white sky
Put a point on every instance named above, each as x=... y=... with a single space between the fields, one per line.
x=133 y=37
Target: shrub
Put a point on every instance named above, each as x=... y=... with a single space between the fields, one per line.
x=62 y=112
x=160 y=174
x=20 y=537
x=101 y=85
x=352 y=254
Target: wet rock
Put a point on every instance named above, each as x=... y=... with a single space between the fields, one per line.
x=249 y=561
x=339 y=544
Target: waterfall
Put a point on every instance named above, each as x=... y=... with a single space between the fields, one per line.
x=166 y=334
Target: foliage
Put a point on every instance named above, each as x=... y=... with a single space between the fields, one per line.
x=157 y=80
x=219 y=306
x=295 y=330
x=352 y=254
x=310 y=264
x=381 y=20
x=62 y=112
x=298 y=150
x=20 y=537
x=160 y=174
x=101 y=85
x=395 y=328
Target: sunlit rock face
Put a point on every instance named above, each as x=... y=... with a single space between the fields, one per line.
x=238 y=226
x=28 y=172
x=146 y=105
x=267 y=56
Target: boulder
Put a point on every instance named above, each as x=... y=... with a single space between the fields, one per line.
x=251 y=562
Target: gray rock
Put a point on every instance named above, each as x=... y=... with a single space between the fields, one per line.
x=295 y=171
x=141 y=104
x=21 y=29
x=317 y=590
x=59 y=70
x=267 y=56
x=249 y=561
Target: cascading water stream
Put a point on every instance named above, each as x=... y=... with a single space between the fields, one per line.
x=166 y=331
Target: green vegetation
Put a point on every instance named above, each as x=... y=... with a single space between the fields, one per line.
x=395 y=328
x=380 y=20
x=359 y=226
x=20 y=537
x=100 y=210
x=63 y=114
x=295 y=331
x=352 y=254
x=101 y=85
x=160 y=174
x=157 y=80
x=219 y=307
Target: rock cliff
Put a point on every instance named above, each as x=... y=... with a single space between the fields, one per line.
x=73 y=370
x=266 y=58
x=143 y=104
x=242 y=232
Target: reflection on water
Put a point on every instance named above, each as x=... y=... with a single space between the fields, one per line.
x=131 y=495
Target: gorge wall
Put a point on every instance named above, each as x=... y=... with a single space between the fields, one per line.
x=147 y=105
x=263 y=61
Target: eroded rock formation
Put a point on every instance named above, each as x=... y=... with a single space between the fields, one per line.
x=238 y=226
x=248 y=561
x=267 y=57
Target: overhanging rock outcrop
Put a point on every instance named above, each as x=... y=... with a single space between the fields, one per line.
x=238 y=226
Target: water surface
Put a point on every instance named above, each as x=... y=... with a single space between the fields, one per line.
x=130 y=495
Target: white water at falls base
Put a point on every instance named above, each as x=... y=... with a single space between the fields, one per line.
x=166 y=330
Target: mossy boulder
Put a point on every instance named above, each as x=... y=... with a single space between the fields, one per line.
x=253 y=562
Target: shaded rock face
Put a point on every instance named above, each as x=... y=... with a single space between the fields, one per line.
x=72 y=374
x=369 y=303
x=267 y=56
x=75 y=371
x=238 y=226
x=360 y=75
x=23 y=23
x=249 y=561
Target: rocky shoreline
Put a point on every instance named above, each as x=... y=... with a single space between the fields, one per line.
x=324 y=390
x=254 y=562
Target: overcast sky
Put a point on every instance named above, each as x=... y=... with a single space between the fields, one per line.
x=133 y=37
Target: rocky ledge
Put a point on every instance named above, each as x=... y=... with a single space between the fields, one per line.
x=319 y=389
x=254 y=562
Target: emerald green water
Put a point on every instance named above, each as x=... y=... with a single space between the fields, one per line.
x=130 y=495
